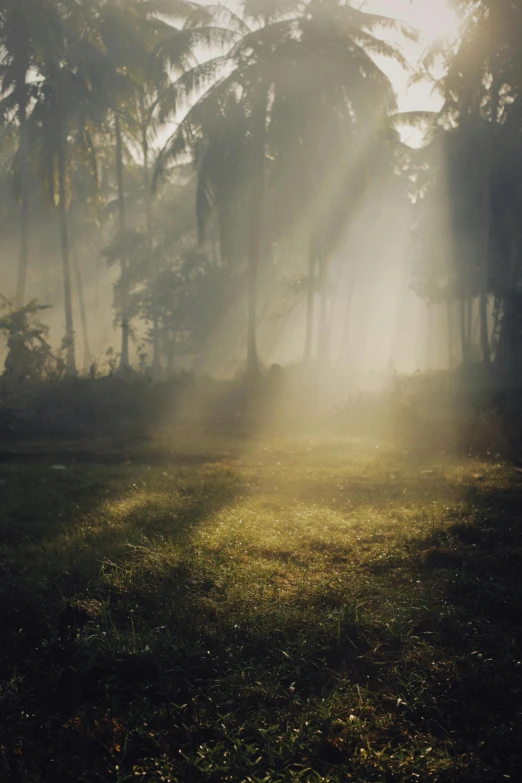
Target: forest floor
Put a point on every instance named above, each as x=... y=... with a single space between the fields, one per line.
x=259 y=611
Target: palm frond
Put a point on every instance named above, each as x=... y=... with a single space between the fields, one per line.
x=220 y=16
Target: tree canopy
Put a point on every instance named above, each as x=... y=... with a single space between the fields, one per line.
x=219 y=162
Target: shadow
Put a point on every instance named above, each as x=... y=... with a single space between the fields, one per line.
x=135 y=637
x=471 y=620
x=65 y=530
x=109 y=452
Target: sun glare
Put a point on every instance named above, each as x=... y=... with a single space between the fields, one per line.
x=433 y=19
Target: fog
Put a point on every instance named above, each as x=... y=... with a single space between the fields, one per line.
x=204 y=210
x=260 y=390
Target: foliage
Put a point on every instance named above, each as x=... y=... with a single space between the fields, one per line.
x=283 y=132
x=467 y=232
x=29 y=357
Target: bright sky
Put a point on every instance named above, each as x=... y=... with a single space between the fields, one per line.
x=434 y=20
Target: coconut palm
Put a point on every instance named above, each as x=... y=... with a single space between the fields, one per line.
x=329 y=121
x=131 y=34
x=478 y=126
x=65 y=113
x=29 y=31
x=289 y=84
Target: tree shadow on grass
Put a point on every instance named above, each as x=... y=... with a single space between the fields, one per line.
x=206 y=660
x=464 y=682
x=70 y=540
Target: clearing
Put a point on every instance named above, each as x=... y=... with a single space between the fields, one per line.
x=259 y=611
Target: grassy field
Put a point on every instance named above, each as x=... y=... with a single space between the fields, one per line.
x=267 y=611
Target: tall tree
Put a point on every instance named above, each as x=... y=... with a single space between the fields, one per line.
x=257 y=88
x=477 y=131
x=66 y=111
x=30 y=31
x=131 y=32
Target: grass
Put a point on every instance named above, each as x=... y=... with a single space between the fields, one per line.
x=268 y=611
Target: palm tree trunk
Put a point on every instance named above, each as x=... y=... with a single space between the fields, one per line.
x=427 y=338
x=98 y=249
x=449 y=322
x=254 y=249
x=24 y=215
x=81 y=297
x=483 y=300
x=497 y=316
x=323 y=347
x=156 y=360
x=469 y=326
x=464 y=345
x=484 y=329
x=146 y=174
x=124 y=358
x=70 y=361
x=310 y=295
x=505 y=358
x=253 y=266
x=214 y=245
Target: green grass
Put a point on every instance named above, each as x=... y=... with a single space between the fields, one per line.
x=265 y=611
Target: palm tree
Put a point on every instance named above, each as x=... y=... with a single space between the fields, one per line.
x=65 y=114
x=479 y=121
x=131 y=33
x=226 y=133
x=29 y=31
x=152 y=109
x=272 y=104
x=123 y=44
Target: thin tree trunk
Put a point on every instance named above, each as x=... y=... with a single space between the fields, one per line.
x=514 y=259
x=99 y=246
x=323 y=347
x=464 y=345
x=124 y=358
x=469 y=323
x=24 y=214
x=310 y=297
x=214 y=244
x=497 y=312
x=505 y=358
x=449 y=322
x=475 y=325
x=156 y=360
x=484 y=329
x=253 y=268
x=146 y=175
x=483 y=300
x=81 y=297
x=429 y=319
x=64 y=237
x=254 y=250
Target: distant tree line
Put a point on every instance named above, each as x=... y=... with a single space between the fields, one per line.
x=467 y=229
x=279 y=124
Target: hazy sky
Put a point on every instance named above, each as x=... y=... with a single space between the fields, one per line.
x=433 y=19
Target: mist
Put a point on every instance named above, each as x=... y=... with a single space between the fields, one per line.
x=260 y=391
x=374 y=319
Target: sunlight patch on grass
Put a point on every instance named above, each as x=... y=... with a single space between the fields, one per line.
x=271 y=616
